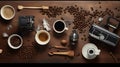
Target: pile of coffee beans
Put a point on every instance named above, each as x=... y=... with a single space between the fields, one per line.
x=82 y=18
x=53 y=11
x=26 y=52
x=79 y=17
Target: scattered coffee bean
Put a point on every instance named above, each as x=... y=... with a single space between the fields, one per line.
x=91 y=8
x=82 y=38
x=62 y=18
x=115 y=8
x=99 y=2
x=118 y=10
x=84 y=35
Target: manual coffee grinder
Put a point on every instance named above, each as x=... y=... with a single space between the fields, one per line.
x=73 y=39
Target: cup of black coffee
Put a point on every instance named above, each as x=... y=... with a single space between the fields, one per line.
x=59 y=26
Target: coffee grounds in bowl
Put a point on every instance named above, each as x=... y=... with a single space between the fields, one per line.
x=8 y=12
x=15 y=41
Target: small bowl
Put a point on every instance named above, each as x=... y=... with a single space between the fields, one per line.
x=11 y=45
x=6 y=12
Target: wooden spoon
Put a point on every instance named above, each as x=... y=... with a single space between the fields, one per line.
x=20 y=7
x=67 y=53
x=58 y=47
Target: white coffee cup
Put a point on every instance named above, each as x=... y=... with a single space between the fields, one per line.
x=7 y=12
x=59 y=26
x=11 y=45
x=42 y=37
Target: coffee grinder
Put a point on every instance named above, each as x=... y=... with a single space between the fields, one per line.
x=73 y=39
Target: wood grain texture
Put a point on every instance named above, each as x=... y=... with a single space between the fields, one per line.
x=31 y=52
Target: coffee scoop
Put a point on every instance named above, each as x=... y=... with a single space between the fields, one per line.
x=20 y=7
x=66 y=53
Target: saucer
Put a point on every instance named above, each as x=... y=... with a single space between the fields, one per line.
x=85 y=48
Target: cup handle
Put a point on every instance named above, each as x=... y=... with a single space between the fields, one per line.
x=66 y=28
x=98 y=52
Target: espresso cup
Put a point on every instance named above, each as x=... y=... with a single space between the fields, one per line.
x=7 y=12
x=59 y=26
x=42 y=37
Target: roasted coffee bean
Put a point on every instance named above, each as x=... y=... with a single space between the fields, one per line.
x=91 y=8
x=84 y=35
x=117 y=16
x=115 y=8
x=99 y=2
x=82 y=38
x=62 y=18
x=82 y=18
x=118 y=10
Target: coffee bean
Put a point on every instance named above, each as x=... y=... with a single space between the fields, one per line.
x=91 y=8
x=99 y=2
x=82 y=38
x=62 y=18
x=117 y=16
x=84 y=35
x=115 y=8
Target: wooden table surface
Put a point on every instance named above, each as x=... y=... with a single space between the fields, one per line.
x=31 y=52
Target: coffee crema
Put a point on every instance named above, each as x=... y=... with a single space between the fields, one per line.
x=8 y=12
x=43 y=36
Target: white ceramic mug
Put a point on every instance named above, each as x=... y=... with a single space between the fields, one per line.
x=59 y=26
x=7 y=12
x=11 y=45
x=42 y=37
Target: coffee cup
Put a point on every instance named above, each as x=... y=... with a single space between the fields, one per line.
x=7 y=12
x=15 y=41
x=92 y=52
x=59 y=26
x=42 y=37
